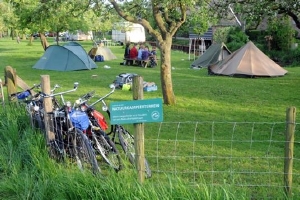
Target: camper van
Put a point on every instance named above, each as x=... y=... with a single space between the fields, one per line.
x=128 y=32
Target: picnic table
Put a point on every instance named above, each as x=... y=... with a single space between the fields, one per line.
x=143 y=63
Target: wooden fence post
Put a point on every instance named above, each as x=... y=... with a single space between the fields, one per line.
x=11 y=81
x=289 y=149
x=138 y=94
x=45 y=83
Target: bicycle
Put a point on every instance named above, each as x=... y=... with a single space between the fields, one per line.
x=33 y=104
x=70 y=140
x=121 y=136
x=102 y=144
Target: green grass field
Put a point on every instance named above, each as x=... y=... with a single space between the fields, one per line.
x=219 y=128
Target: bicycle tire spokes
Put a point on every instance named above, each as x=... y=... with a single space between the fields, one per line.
x=83 y=152
x=107 y=149
x=127 y=143
x=57 y=146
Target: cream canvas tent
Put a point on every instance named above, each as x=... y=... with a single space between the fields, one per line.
x=102 y=50
x=247 y=61
x=215 y=53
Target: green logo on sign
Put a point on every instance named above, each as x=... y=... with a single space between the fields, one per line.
x=136 y=111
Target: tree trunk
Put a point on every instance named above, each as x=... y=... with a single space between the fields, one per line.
x=12 y=33
x=165 y=72
x=30 y=40
x=44 y=41
x=57 y=38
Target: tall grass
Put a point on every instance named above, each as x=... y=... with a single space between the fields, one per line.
x=27 y=173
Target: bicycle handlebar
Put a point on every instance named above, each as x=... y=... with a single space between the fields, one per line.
x=84 y=98
x=61 y=93
x=101 y=99
x=17 y=94
x=88 y=95
x=54 y=88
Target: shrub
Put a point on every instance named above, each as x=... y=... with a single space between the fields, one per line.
x=236 y=38
x=282 y=33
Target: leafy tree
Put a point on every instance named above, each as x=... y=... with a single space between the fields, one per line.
x=162 y=19
x=254 y=11
x=8 y=18
x=2 y=23
x=200 y=26
x=104 y=18
x=236 y=38
x=57 y=15
x=221 y=35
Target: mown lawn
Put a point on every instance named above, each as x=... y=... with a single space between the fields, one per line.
x=199 y=97
x=240 y=120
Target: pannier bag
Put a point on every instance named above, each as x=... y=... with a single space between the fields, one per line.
x=24 y=95
x=101 y=120
x=79 y=119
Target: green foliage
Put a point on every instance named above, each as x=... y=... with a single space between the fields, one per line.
x=282 y=33
x=256 y=35
x=236 y=38
x=253 y=12
x=221 y=35
x=290 y=57
x=199 y=21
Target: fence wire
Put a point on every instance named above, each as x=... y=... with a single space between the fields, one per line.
x=247 y=155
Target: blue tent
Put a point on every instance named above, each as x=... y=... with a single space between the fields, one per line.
x=69 y=57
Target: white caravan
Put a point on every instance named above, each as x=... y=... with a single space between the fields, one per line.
x=124 y=32
x=79 y=35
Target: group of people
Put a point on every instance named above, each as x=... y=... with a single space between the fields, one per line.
x=137 y=55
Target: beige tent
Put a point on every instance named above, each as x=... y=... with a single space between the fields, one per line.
x=102 y=50
x=247 y=61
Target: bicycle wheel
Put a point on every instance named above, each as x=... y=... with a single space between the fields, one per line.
x=107 y=149
x=84 y=153
x=37 y=121
x=127 y=143
x=56 y=147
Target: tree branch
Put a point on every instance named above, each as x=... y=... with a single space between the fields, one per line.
x=177 y=25
x=295 y=18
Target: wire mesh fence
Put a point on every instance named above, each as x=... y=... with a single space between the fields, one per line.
x=247 y=155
